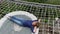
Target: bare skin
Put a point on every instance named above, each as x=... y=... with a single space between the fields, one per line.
x=35 y=25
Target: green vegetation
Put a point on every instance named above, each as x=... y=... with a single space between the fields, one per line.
x=39 y=1
x=57 y=2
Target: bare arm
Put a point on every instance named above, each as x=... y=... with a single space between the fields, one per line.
x=35 y=28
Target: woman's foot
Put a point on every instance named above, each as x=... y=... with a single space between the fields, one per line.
x=9 y=17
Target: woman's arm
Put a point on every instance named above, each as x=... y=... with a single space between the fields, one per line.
x=35 y=28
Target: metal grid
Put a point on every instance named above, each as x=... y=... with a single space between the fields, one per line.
x=47 y=13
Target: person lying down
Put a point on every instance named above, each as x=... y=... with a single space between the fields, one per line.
x=32 y=24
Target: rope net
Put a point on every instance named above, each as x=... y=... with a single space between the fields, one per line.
x=46 y=13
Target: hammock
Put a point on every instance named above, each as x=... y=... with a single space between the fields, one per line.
x=11 y=28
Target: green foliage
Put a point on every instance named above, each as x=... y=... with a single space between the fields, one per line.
x=57 y=2
x=39 y=1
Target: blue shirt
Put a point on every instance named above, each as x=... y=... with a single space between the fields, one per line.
x=23 y=22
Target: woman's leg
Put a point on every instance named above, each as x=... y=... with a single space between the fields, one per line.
x=15 y=20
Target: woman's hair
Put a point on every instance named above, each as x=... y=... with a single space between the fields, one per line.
x=38 y=23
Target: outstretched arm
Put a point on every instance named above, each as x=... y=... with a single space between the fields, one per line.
x=35 y=28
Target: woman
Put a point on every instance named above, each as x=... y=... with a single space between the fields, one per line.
x=32 y=24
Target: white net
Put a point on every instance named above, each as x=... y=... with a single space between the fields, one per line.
x=47 y=14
